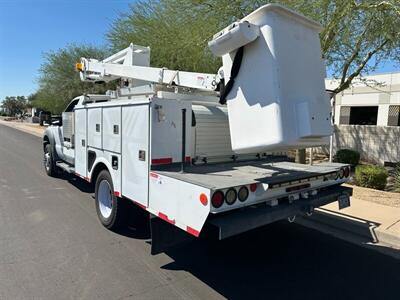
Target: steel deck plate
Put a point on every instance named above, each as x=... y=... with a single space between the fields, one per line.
x=224 y=175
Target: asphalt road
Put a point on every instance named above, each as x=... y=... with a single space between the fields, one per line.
x=53 y=247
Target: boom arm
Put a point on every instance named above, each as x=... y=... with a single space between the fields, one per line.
x=132 y=63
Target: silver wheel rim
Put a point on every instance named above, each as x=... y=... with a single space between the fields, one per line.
x=47 y=160
x=105 y=199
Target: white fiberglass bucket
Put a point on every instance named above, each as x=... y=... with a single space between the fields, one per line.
x=278 y=99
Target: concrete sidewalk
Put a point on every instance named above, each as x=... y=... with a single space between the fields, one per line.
x=31 y=128
x=376 y=223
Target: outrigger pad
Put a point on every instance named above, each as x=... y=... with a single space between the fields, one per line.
x=165 y=236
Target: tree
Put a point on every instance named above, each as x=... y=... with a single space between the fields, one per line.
x=59 y=83
x=358 y=35
x=177 y=32
x=14 y=105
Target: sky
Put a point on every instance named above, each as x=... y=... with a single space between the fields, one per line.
x=29 y=28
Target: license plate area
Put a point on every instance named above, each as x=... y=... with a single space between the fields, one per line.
x=344 y=201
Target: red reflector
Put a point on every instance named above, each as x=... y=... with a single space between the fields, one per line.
x=297 y=187
x=253 y=187
x=217 y=199
x=161 y=161
x=116 y=194
x=203 y=199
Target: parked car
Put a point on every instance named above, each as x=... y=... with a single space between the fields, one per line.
x=44 y=117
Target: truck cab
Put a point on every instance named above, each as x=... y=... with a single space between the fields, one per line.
x=61 y=135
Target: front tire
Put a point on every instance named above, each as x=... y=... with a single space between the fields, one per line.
x=110 y=209
x=49 y=161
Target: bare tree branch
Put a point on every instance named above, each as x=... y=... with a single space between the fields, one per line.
x=360 y=67
x=331 y=29
x=354 y=54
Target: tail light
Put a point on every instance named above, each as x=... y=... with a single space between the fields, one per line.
x=253 y=187
x=346 y=172
x=230 y=196
x=217 y=199
x=243 y=194
x=337 y=175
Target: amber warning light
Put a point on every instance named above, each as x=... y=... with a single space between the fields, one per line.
x=79 y=67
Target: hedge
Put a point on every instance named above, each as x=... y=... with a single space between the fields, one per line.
x=370 y=176
x=347 y=156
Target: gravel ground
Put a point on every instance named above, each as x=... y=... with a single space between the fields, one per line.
x=381 y=197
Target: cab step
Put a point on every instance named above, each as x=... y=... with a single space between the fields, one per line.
x=66 y=167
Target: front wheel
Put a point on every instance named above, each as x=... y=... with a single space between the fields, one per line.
x=109 y=208
x=49 y=161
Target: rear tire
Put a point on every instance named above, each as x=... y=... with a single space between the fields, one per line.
x=110 y=209
x=49 y=161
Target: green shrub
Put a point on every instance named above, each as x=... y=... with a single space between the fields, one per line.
x=397 y=177
x=369 y=176
x=347 y=156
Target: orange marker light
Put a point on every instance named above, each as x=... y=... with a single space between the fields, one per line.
x=79 y=67
x=203 y=199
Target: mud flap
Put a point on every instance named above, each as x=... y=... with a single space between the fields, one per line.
x=165 y=236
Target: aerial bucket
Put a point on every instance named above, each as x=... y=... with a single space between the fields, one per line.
x=276 y=98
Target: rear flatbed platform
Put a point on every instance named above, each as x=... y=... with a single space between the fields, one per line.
x=224 y=175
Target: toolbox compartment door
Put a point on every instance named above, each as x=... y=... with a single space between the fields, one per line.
x=80 y=142
x=135 y=153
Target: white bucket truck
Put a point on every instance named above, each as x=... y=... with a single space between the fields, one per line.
x=194 y=150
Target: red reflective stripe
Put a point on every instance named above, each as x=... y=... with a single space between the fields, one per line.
x=167 y=160
x=116 y=194
x=81 y=176
x=192 y=231
x=165 y=218
x=155 y=175
x=137 y=203
x=161 y=161
x=140 y=204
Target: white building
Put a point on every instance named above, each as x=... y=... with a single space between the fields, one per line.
x=367 y=116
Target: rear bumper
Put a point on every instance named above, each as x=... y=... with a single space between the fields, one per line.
x=251 y=217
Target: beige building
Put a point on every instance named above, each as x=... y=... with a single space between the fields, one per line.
x=367 y=117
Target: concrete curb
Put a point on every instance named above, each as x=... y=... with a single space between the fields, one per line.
x=344 y=226
x=388 y=238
